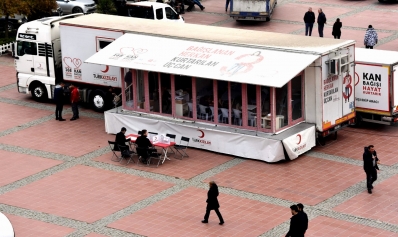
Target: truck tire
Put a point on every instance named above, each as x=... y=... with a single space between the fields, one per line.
x=335 y=136
x=267 y=19
x=98 y=100
x=38 y=91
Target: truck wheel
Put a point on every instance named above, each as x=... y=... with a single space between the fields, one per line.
x=98 y=101
x=335 y=136
x=267 y=19
x=39 y=91
x=321 y=140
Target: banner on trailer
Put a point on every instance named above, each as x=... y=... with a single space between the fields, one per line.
x=235 y=144
x=338 y=93
x=371 y=87
x=299 y=143
x=204 y=60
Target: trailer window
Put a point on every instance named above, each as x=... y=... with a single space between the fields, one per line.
x=24 y=47
x=297 y=96
x=102 y=44
x=281 y=95
x=159 y=14
x=170 y=14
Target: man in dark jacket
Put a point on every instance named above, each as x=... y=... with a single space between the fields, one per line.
x=59 y=97
x=303 y=216
x=121 y=143
x=370 y=162
x=296 y=223
x=321 y=22
x=309 y=19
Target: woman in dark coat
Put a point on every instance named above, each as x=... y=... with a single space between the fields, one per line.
x=212 y=203
x=337 y=29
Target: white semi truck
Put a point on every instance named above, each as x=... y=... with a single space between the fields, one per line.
x=47 y=52
x=249 y=10
x=376 y=86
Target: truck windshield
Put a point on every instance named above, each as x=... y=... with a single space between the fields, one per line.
x=141 y=12
x=24 y=47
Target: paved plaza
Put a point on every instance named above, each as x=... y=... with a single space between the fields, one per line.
x=57 y=179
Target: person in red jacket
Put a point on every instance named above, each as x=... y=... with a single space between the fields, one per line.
x=74 y=98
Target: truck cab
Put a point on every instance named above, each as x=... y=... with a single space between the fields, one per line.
x=37 y=54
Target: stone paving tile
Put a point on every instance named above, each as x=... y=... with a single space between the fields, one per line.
x=95 y=235
x=379 y=20
x=297 y=11
x=348 y=34
x=24 y=227
x=329 y=227
x=83 y=193
x=7 y=75
x=351 y=142
x=14 y=94
x=392 y=45
x=388 y=5
x=382 y=204
x=14 y=115
x=197 y=18
x=213 y=6
x=264 y=26
x=198 y=162
x=73 y=138
x=181 y=213
x=307 y=180
x=16 y=166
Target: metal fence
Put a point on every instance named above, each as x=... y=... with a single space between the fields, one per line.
x=6 y=47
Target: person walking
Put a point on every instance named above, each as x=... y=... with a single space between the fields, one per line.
x=296 y=223
x=309 y=20
x=304 y=216
x=212 y=203
x=197 y=2
x=75 y=98
x=370 y=162
x=59 y=97
x=321 y=20
x=370 y=37
x=226 y=5
x=337 y=29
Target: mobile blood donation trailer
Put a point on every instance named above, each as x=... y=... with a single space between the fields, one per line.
x=376 y=86
x=251 y=94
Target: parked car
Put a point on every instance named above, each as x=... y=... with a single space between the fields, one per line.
x=13 y=22
x=153 y=11
x=77 y=6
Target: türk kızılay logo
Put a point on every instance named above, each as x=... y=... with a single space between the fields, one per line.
x=104 y=75
x=299 y=146
x=202 y=141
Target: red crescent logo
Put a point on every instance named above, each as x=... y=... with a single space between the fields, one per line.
x=203 y=134
x=299 y=136
x=106 y=69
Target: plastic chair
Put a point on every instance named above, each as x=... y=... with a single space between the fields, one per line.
x=252 y=119
x=171 y=136
x=182 y=147
x=224 y=115
x=237 y=116
x=202 y=110
x=190 y=109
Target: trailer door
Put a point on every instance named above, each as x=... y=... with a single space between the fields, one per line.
x=395 y=82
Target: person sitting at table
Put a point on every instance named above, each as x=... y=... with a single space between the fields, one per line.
x=143 y=142
x=121 y=141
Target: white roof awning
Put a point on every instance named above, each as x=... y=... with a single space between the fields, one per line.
x=203 y=60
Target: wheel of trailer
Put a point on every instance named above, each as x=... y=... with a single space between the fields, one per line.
x=98 y=101
x=321 y=140
x=77 y=10
x=267 y=19
x=335 y=136
x=39 y=91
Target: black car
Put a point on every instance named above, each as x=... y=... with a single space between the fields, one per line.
x=13 y=22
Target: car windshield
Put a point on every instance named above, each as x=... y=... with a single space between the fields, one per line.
x=140 y=12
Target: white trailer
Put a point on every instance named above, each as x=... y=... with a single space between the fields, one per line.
x=47 y=52
x=376 y=86
x=250 y=10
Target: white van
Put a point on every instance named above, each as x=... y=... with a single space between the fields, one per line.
x=153 y=11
